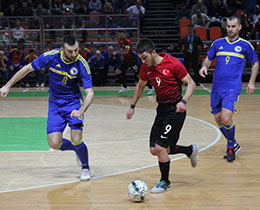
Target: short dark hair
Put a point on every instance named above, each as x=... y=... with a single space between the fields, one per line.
x=69 y=39
x=145 y=45
x=233 y=17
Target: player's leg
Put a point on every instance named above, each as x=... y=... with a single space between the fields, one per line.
x=121 y=75
x=223 y=107
x=81 y=149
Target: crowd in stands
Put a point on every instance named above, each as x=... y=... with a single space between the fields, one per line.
x=206 y=13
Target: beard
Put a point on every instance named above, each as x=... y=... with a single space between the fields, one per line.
x=67 y=58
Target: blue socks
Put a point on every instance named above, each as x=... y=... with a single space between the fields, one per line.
x=79 y=147
x=229 y=133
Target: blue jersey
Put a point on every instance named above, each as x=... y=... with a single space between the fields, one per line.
x=64 y=77
x=231 y=58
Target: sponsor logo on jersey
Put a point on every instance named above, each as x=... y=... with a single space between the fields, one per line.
x=58 y=65
x=74 y=71
x=238 y=49
x=221 y=48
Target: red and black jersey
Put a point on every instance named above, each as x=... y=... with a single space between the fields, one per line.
x=166 y=78
x=125 y=45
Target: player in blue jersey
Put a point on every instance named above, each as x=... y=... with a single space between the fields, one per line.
x=231 y=54
x=66 y=106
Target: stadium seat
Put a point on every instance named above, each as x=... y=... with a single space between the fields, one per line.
x=184 y=22
x=202 y=32
x=215 y=33
x=183 y=31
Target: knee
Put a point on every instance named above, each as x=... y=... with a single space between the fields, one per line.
x=54 y=144
x=226 y=120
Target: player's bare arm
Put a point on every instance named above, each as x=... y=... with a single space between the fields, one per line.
x=251 y=83
x=18 y=76
x=205 y=66
x=181 y=107
x=138 y=93
x=87 y=101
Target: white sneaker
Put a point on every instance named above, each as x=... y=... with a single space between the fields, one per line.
x=194 y=155
x=78 y=161
x=150 y=92
x=161 y=186
x=85 y=175
x=42 y=85
x=122 y=90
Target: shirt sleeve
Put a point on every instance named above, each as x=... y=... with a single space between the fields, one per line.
x=85 y=74
x=179 y=69
x=251 y=54
x=39 y=62
x=212 y=51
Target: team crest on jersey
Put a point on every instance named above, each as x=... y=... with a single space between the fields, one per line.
x=74 y=71
x=238 y=49
x=166 y=72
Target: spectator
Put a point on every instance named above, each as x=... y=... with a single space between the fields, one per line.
x=112 y=60
x=94 y=6
x=84 y=52
x=11 y=11
x=18 y=31
x=108 y=9
x=201 y=6
x=97 y=66
x=28 y=59
x=49 y=23
x=120 y=6
x=16 y=60
x=256 y=30
x=184 y=12
x=200 y=19
x=136 y=11
x=24 y=10
x=191 y=43
x=3 y=67
x=215 y=9
x=255 y=16
x=39 y=11
x=247 y=28
x=68 y=7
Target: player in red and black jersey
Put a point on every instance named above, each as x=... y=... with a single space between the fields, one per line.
x=167 y=75
x=130 y=60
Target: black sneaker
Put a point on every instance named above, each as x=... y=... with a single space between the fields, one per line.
x=236 y=150
x=231 y=155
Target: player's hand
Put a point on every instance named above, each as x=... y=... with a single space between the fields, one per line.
x=130 y=113
x=4 y=91
x=250 y=88
x=76 y=113
x=203 y=72
x=180 y=107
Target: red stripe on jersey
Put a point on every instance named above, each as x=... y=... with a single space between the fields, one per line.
x=166 y=78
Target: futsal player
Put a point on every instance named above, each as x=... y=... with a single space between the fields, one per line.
x=66 y=106
x=231 y=54
x=167 y=75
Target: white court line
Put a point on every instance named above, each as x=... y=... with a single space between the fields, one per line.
x=122 y=172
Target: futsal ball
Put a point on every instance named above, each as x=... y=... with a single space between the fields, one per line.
x=137 y=190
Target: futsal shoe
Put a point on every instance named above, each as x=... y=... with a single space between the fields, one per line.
x=194 y=155
x=150 y=92
x=85 y=175
x=161 y=186
x=236 y=150
x=231 y=155
x=123 y=89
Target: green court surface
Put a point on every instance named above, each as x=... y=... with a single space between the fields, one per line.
x=108 y=93
x=29 y=133
x=23 y=134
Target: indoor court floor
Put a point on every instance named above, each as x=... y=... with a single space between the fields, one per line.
x=35 y=177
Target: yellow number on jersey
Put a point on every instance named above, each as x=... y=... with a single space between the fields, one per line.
x=227 y=59
x=64 y=81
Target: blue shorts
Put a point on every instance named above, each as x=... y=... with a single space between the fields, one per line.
x=228 y=100
x=59 y=115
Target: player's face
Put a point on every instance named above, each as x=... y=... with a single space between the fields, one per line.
x=70 y=53
x=233 y=28
x=147 y=59
x=121 y=36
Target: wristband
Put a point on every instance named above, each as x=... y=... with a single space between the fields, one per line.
x=132 y=106
x=183 y=101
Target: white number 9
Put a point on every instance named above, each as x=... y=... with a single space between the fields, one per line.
x=158 y=80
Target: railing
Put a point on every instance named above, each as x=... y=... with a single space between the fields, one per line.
x=94 y=28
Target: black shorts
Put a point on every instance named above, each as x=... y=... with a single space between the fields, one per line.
x=134 y=65
x=167 y=126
